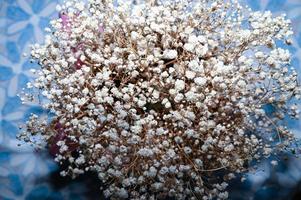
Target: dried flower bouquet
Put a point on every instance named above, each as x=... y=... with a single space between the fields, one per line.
x=158 y=97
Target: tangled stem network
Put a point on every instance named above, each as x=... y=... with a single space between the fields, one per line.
x=158 y=97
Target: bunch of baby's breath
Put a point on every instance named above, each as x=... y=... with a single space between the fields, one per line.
x=157 y=97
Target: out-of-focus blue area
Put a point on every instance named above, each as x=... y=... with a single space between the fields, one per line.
x=25 y=174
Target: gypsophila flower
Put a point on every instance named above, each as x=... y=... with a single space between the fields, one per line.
x=154 y=96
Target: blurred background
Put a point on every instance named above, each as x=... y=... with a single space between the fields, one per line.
x=28 y=174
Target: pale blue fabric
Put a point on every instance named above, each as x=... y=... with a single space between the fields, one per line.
x=26 y=174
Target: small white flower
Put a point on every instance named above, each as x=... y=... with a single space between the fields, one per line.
x=195 y=66
x=179 y=85
x=187 y=150
x=274 y=162
x=190 y=74
x=170 y=54
x=145 y=152
x=200 y=81
x=189 y=47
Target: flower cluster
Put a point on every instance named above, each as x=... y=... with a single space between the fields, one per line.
x=158 y=97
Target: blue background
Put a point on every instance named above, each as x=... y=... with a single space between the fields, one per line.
x=28 y=174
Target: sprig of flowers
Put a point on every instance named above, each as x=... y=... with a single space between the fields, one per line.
x=157 y=97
